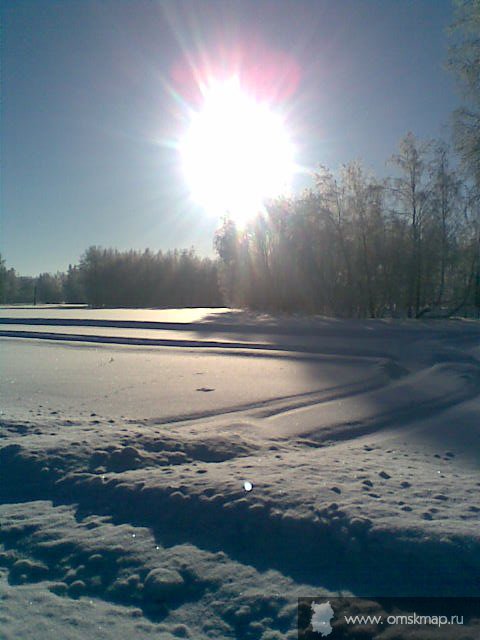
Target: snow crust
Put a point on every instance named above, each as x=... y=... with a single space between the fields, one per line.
x=124 y=461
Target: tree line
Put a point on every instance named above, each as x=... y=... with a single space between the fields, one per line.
x=352 y=245
x=357 y=246
x=112 y=278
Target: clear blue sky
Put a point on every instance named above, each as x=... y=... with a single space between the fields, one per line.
x=88 y=107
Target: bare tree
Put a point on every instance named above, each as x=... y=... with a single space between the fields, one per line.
x=412 y=194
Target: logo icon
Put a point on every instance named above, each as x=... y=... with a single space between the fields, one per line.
x=322 y=615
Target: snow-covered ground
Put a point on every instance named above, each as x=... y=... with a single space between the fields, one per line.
x=127 y=436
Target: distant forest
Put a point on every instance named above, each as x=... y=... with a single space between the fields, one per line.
x=352 y=245
x=111 y=278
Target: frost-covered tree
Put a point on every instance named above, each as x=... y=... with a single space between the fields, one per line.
x=464 y=60
x=3 y=278
x=412 y=194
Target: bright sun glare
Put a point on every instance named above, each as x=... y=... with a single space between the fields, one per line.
x=236 y=153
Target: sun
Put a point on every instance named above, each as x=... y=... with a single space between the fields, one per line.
x=236 y=153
